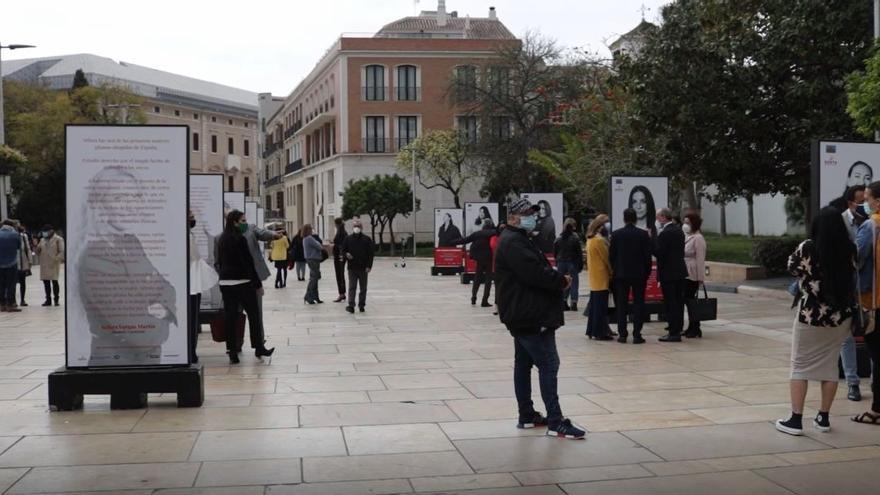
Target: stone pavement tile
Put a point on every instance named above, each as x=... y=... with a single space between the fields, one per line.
x=267 y=444
x=68 y=450
x=844 y=432
x=387 y=347
x=229 y=490
x=743 y=463
x=821 y=479
x=744 y=414
x=111 y=492
x=574 y=475
x=238 y=386
x=539 y=453
x=383 y=487
x=247 y=472
x=504 y=388
x=481 y=364
x=338 y=340
x=422 y=337
x=503 y=408
x=12 y=391
x=661 y=400
x=298 y=398
x=484 y=376
x=304 y=350
x=723 y=360
x=324 y=367
x=730 y=483
x=9 y=476
x=529 y=490
x=391 y=357
x=750 y=377
x=655 y=382
x=404 y=382
x=832 y=455
x=395 y=439
x=403 y=365
x=230 y=418
x=465 y=482
x=491 y=428
x=623 y=371
x=770 y=393
x=416 y=395
x=640 y=420
x=360 y=357
x=373 y=414
x=384 y=466
x=107 y=477
x=701 y=442
x=331 y=384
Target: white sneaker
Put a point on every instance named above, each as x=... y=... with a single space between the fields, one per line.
x=781 y=426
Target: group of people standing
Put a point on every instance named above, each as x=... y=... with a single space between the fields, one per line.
x=18 y=255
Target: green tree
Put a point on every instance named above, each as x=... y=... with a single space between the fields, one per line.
x=863 y=91
x=79 y=79
x=382 y=198
x=358 y=199
x=442 y=160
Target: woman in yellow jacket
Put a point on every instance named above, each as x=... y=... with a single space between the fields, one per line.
x=599 y=276
x=279 y=256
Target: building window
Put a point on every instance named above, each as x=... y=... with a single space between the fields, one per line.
x=231 y=186
x=407 y=90
x=247 y=147
x=247 y=190
x=231 y=145
x=467 y=128
x=407 y=130
x=466 y=83
x=374 y=141
x=157 y=110
x=229 y=121
x=245 y=125
x=374 y=83
x=279 y=202
x=269 y=202
x=213 y=119
x=195 y=141
x=499 y=128
x=195 y=116
x=213 y=143
x=499 y=81
x=177 y=113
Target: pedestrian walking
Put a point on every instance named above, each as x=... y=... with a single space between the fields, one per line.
x=630 y=254
x=50 y=252
x=853 y=214
x=530 y=306
x=297 y=256
x=671 y=272
x=280 y=247
x=10 y=246
x=824 y=265
x=569 y=254
x=869 y=294
x=493 y=248
x=357 y=250
x=239 y=283
x=314 y=253
x=481 y=252
x=25 y=263
x=338 y=259
x=599 y=276
x=695 y=260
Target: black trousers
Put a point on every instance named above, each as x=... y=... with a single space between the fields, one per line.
x=673 y=304
x=50 y=286
x=483 y=275
x=339 y=266
x=872 y=342
x=195 y=301
x=692 y=291
x=357 y=278
x=622 y=286
x=236 y=297
x=22 y=284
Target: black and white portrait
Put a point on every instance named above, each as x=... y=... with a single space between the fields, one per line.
x=643 y=194
x=550 y=217
x=447 y=226
x=843 y=165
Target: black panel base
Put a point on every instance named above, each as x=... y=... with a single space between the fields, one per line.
x=127 y=387
x=446 y=270
x=467 y=278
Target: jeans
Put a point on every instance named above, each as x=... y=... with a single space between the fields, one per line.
x=872 y=341
x=236 y=298
x=692 y=291
x=357 y=277
x=622 y=287
x=8 y=278
x=673 y=305
x=280 y=274
x=849 y=361
x=339 y=267
x=314 y=276
x=597 y=313
x=483 y=275
x=570 y=268
x=195 y=301
x=536 y=350
x=49 y=287
x=300 y=270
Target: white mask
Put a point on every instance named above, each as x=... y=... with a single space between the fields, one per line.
x=686 y=228
x=356 y=230
x=658 y=225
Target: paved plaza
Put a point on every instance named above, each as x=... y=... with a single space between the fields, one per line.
x=416 y=395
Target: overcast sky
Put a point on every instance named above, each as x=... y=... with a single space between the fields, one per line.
x=270 y=45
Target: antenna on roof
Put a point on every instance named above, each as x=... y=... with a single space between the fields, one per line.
x=416 y=7
x=643 y=10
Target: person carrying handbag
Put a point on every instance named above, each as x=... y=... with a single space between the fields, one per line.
x=869 y=295
x=695 y=260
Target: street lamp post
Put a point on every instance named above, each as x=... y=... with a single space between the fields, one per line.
x=3 y=181
x=414 y=196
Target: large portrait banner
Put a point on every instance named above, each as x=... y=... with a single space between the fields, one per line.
x=839 y=165
x=127 y=271
x=250 y=213
x=643 y=194
x=550 y=218
x=206 y=204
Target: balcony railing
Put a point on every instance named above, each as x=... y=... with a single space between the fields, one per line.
x=273 y=181
x=408 y=93
x=271 y=148
x=293 y=167
x=373 y=93
x=377 y=145
x=403 y=142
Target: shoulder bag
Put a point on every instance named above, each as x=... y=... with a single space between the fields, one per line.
x=705 y=309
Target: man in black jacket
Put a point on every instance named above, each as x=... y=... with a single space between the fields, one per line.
x=481 y=252
x=671 y=272
x=357 y=250
x=630 y=256
x=338 y=259
x=530 y=306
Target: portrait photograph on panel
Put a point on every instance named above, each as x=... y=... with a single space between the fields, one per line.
x=645 y=195
x=447 y=226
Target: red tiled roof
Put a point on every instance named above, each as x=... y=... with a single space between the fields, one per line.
x=480 y=28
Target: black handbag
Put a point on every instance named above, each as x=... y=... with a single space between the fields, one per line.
x=705 y=309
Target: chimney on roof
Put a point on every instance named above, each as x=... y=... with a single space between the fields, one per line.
x=492 y=13
x=441 y=13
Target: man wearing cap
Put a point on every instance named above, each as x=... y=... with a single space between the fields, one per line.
x=529 y=294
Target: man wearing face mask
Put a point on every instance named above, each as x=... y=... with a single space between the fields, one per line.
x=530 y=306
x=671 y=272
x=357 y=250
x=50 y=251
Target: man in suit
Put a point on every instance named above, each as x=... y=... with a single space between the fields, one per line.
x=630 y=254
x=671 y=272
